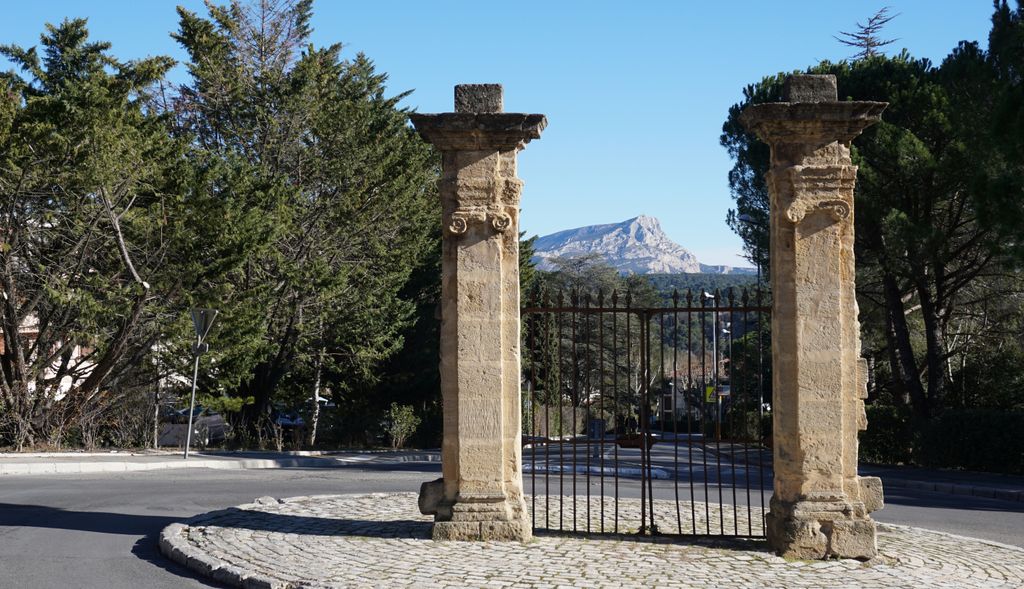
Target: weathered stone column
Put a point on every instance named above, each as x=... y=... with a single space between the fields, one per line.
x=820 y=506
x=481 y=497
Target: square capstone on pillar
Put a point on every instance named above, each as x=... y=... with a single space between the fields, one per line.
x=478 y=98
x=810 y=88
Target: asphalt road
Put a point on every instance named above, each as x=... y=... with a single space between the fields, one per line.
x=100 y=530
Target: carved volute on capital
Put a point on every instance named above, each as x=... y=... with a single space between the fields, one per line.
x=805 y=189
x=500 y=219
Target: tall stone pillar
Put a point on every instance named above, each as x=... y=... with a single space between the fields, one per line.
x=481 y=493
x=820 y=506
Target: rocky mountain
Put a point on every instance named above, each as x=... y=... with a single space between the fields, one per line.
x=634 y=246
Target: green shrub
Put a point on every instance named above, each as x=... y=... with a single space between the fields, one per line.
x=400 y=423
x=982 y=439
x=889 y=438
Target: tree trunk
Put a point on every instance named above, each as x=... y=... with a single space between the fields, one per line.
x=156 y=416
x=315 y=419
x=905 y=367
x=935 y=348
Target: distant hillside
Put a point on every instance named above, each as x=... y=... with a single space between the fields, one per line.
x=634 y=246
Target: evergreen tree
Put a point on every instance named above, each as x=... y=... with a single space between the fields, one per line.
x=102 y=215
x=867 y=38
x=360 y=202
x=931 y=253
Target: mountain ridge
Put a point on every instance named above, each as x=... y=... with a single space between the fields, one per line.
x=634 y=246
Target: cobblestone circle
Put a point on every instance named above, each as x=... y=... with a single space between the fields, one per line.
x=381 y=540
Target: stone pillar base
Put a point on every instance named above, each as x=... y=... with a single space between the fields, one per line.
x=815 y=530
x=503 y=520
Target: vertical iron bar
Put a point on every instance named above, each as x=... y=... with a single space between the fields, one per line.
x=718 y=422
x=629 y=354
x=600 y=384
x=673 y=391
x=561 y=418
x=531 y=326
x=689 y=412
x=619 y=424
x=642 y=416
x=551 y=370
x=575 y=396
x=746 y=388
x=659 y=392
x=732 y=404
x=704 y=409
x=587 y=386
x=760 y=396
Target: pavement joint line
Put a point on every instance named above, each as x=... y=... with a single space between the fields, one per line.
x=381 y=540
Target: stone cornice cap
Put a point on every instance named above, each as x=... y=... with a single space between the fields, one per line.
x=478 y=123
x=812 y=113
x=462 y=131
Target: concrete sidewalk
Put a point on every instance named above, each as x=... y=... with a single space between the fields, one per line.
x=951 y=482
x=108 y=462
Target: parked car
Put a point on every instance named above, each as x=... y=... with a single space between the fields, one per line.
x=288 y=419
x=208 y=427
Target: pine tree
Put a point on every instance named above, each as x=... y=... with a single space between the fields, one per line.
x=359 y=213
x=867 y=38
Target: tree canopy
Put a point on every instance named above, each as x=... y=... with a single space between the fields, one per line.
x=939 y=210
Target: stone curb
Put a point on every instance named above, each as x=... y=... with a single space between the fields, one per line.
x=224 y=463
x=174 y=545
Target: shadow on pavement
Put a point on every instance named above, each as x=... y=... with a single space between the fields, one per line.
x=39 y=516
x=147 y=527
x=146 y=549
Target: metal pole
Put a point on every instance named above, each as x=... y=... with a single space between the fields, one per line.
x=192 y=405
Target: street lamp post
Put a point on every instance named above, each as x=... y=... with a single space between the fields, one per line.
x=714 y=366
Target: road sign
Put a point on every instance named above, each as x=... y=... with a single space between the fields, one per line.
x=202 y=320
x=709 y=394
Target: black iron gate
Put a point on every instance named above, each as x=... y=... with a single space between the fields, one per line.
x=640 y=418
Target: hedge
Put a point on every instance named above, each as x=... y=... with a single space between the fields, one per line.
x=981 y=439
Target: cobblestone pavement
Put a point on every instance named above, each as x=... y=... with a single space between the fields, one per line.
x=381 y=540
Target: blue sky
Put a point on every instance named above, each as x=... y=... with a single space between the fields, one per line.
x=635 y=92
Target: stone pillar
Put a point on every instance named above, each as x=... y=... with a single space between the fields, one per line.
x=480 y=496
x=820 y=506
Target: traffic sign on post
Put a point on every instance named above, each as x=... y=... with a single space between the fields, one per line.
x=202 y=320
